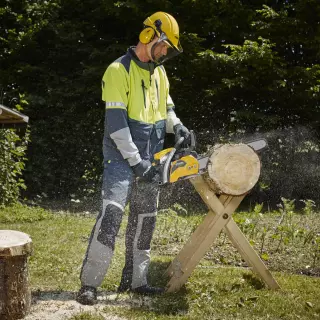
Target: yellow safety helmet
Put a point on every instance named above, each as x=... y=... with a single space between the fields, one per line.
x=166 y=28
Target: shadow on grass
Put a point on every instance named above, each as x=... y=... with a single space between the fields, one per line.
x=39 y=295
x=166 y=304
x=254 y=281
x=105 y=298
x=169 y=303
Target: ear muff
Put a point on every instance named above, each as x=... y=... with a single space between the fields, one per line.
x=146 y=35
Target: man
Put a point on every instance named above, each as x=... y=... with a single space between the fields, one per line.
x=139 y=111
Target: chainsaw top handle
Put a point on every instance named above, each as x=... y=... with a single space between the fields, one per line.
x=177 y=146
x=193 y=140
x=166 y=168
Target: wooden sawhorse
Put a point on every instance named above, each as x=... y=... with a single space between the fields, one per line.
x=219 y=217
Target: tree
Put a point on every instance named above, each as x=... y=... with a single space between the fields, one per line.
x=246 y=66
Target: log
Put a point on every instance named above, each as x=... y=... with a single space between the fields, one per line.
x=15 y=296
x=233 y=169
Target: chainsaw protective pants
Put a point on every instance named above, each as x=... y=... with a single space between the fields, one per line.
x=119 y=188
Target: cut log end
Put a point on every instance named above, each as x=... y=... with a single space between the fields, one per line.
x=15 y=296
x=233 y=169
x=14 y=243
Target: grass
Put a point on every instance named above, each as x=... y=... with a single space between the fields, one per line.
x=229 y=293
x=220 y=287
x=87 y=316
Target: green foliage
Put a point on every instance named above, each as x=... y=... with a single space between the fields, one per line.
x=309 y=206
x=287 y=230
x=245 y=67
x=19 y=213
x=12 y=163
x=87 y=316
x=173 y=227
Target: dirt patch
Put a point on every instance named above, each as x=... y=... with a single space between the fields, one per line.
x=62 y=305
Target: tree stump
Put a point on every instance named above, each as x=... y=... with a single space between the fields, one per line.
x=233 y=169
x=15 y=296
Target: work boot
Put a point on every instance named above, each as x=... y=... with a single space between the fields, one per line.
x=87 y=295
x=123 y=287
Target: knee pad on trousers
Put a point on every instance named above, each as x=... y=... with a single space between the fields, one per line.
x=110 y=225
x=145 y=237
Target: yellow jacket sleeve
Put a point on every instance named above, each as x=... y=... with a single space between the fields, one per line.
x=115 y=94
x=115 y=86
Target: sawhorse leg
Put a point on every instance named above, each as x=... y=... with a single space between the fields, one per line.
x=219 y=217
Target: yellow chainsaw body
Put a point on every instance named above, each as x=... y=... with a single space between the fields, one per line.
x=180 y=168
x=183 y=167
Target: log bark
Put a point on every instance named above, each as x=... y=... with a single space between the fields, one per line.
x=15 y=295
x=233 y=169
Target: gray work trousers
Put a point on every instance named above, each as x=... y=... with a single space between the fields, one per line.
x=119 y=188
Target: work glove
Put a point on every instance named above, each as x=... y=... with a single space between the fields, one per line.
x=146 y=171
x=181 y=131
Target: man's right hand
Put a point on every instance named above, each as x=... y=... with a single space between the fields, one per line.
x=145 y=170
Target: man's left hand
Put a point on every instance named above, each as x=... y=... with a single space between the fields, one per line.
x=181 y=131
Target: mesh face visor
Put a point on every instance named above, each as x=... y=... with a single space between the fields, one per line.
x=172 y=51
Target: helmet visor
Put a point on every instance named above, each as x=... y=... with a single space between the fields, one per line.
x=164 y=50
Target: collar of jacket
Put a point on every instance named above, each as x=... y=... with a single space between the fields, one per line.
x=150 y=66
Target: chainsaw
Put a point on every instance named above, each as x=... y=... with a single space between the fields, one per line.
x=179 y=163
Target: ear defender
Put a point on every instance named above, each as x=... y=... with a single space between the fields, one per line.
x=146 y=35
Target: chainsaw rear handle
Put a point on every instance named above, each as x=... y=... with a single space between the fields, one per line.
x=177 y=146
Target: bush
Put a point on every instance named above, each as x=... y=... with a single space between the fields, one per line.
x=12 y=163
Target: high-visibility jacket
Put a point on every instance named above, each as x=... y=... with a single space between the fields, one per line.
x=139 y=109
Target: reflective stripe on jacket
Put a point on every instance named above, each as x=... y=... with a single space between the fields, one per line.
x=137 y=106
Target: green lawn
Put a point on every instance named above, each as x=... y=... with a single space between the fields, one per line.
x=220 y=287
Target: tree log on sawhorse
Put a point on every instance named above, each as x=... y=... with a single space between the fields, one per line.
x=231 y=168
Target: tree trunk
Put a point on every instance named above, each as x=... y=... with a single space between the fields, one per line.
x=15 y=296
x=233 y=169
